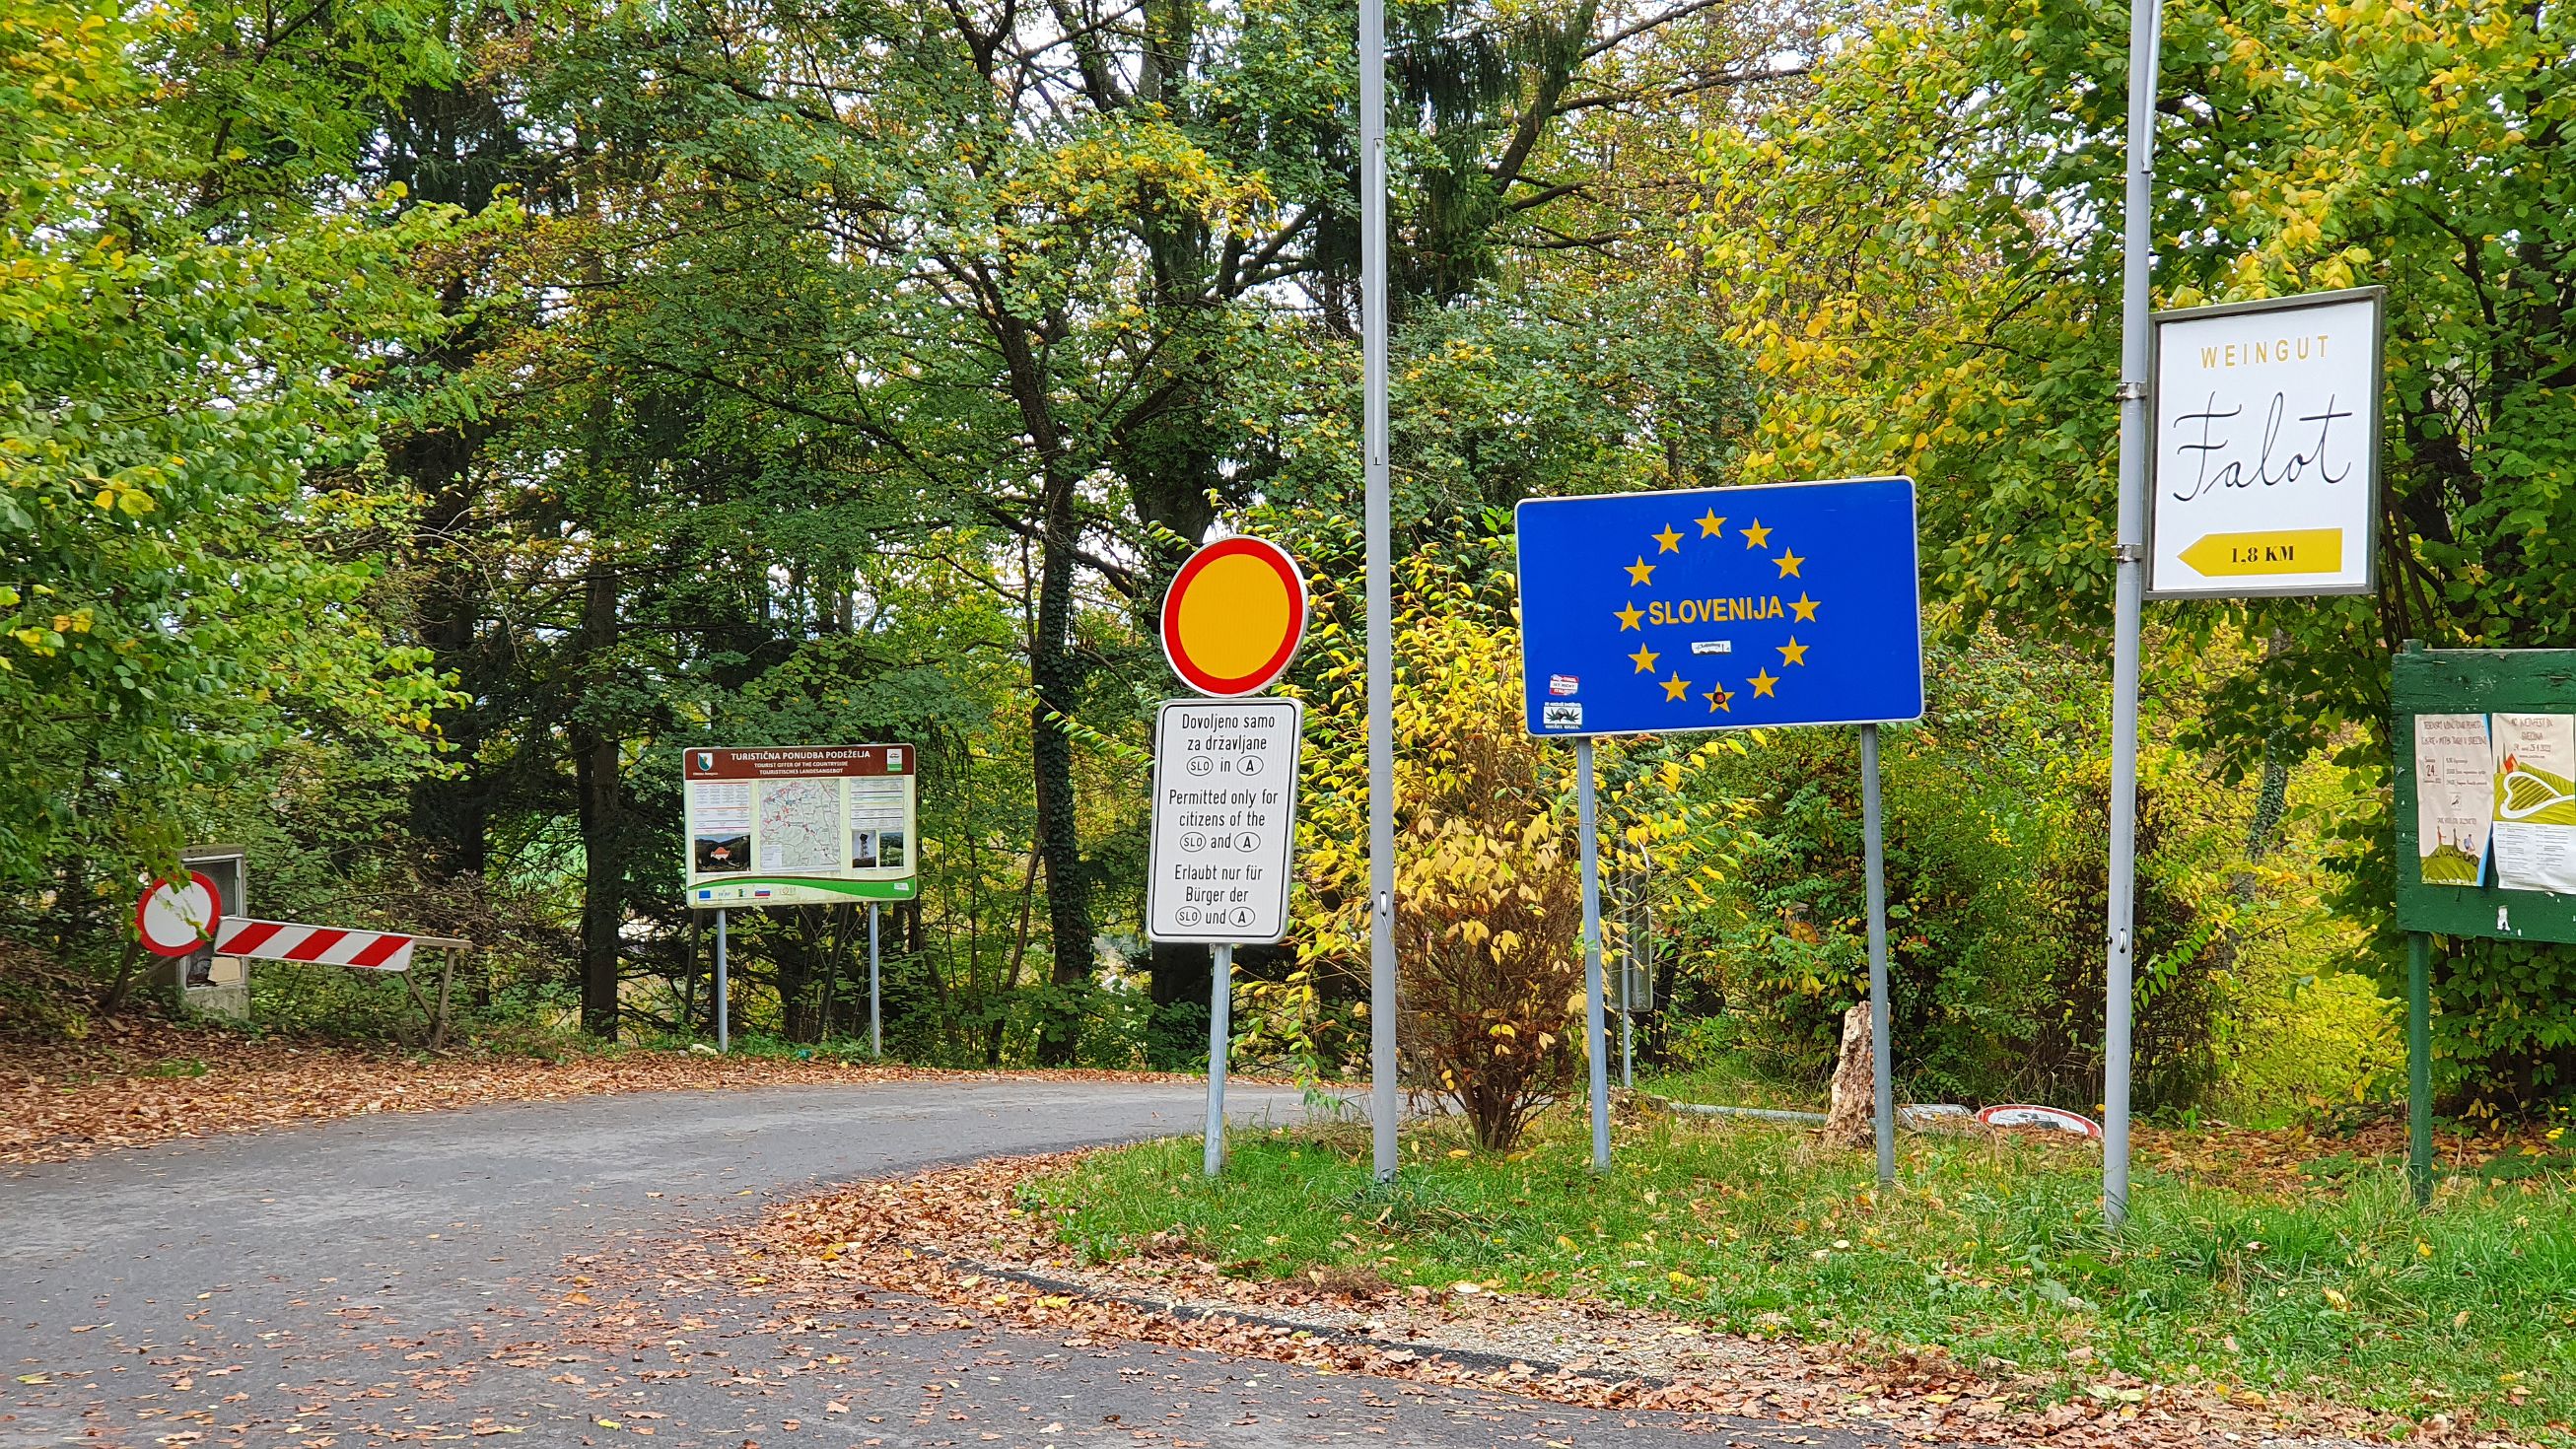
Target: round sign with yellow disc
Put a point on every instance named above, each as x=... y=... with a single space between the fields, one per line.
x=1233 y=617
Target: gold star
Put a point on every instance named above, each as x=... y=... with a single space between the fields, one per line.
x=1676 y=687
x=1762 y=684
x=1788 y=562
x=1641 y=572
x=1720 y=698
x=1792 y=652
x=1806 y=608
x=1645 y=658
x=1667 y=541
x=1628 y=616
x=1757 y=536
x=1711 y=526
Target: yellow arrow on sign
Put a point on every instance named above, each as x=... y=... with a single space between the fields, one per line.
x=2274 y=551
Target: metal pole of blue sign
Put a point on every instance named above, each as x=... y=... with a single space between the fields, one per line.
x=1220 y=1044
x=1596 y=1037
x=1377 y=514
x=1628 y=1019
x=2146 y=24
x=724 y=1005
x=1882 y=1072
x=876 y=1003
x=2419 y=1064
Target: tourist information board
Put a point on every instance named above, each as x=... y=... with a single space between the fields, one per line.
x=800 y=825
x=2485 y=746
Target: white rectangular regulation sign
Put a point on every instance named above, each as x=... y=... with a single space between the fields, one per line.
x=1225 y=819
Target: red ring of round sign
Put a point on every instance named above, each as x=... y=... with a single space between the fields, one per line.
x=179 y=920
x=1234 y=617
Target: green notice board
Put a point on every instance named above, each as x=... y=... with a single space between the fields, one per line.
x=2488 y=682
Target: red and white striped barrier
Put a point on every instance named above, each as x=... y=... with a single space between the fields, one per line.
x=285 y=941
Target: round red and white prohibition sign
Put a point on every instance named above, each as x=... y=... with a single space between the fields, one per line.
x=1234 y=616
x=177 y=918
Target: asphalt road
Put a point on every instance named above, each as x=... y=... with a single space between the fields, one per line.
x=399 y=1279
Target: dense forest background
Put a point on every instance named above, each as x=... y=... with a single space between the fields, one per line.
x=423 y=419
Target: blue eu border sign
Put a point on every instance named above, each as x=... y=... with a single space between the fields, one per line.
x=1721 y=608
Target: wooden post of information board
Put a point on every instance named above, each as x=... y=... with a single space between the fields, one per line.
x=2419 y=1065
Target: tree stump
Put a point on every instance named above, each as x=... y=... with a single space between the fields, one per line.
x=1850 y=1121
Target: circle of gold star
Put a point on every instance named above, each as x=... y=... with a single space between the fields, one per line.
x=1756 y=535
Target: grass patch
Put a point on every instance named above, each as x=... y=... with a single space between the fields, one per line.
x=1991 y=1248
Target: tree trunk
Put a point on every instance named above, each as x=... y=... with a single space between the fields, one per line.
x=114 y=1001
x=1057 y=675
x=595 y=766
x=1851 y=1120
x=1011 y=972
x=450 y=816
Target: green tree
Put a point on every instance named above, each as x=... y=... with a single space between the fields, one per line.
x=191 y=499
x=1922 y=257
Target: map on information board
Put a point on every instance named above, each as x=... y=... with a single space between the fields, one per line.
x=799 y=825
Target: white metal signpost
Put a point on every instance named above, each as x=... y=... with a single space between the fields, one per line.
x=1225 y=775
x=798 y=825
x=2260 y=453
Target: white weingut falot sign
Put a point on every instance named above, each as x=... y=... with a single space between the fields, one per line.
x=2266 y=447
x=1225 y=820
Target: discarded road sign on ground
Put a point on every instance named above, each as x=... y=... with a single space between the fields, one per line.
x=1716 y=608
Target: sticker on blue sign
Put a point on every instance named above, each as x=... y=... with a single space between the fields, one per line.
x=1722 y=608
x=1563 y=686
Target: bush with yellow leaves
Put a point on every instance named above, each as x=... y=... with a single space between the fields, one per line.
x=1488 y=902
x=1488 y=905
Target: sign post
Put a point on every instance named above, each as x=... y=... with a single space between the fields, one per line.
x=1222 y=848
x=1377 y=512
x=1596 y=1043
x=876 y=1011
x=1663 y=613
x=1220 y=1032
x=799 y=825
x=2146 y=29
x=1882 y=1069
x=2250 y=468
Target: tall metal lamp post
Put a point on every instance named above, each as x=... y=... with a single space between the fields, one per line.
x=1381 y=601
